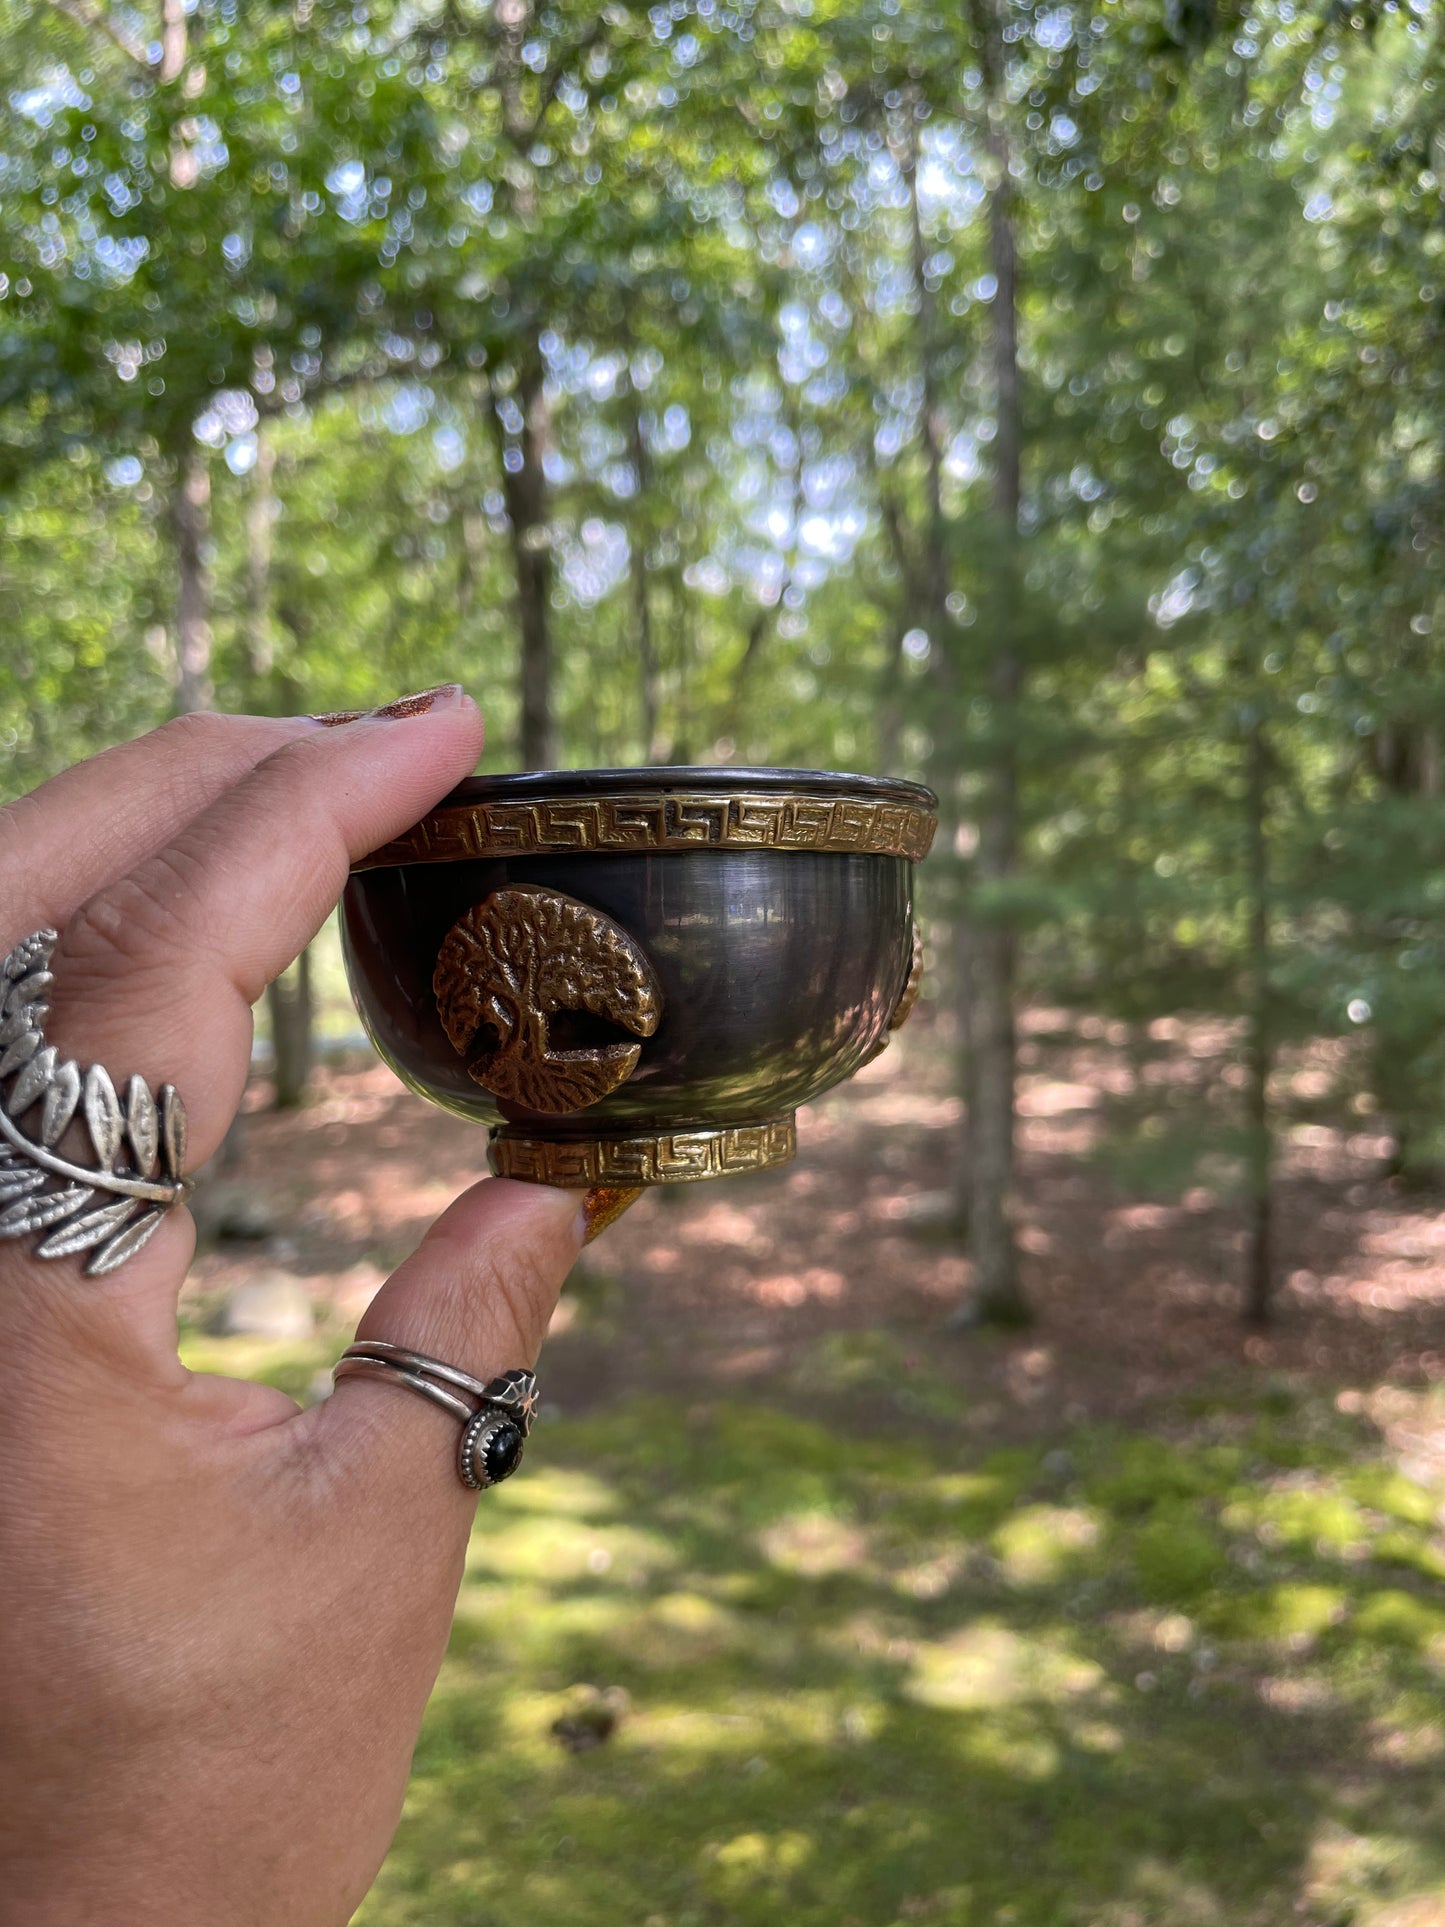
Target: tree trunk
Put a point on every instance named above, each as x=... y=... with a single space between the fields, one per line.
x=652 y=751
x=260 y=524
x=737 y=705
x=648 y=671
x=524 y=481
x=931 y=422
x=524 y=489
x=190 y=529
x=891 y=709
x=471 y=562
x=991 y=944
x=190 y=519
x=1406 y=756
x=288 y=999
x=682 y=749
x=1259 y=1041
x=902 y=616
x=173 y=39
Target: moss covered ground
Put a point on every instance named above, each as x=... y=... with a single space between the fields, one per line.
x=1176 y=1677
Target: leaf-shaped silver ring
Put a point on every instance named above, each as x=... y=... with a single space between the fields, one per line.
x=109 y=1208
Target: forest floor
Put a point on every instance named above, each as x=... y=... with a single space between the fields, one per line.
x=1130 y=1619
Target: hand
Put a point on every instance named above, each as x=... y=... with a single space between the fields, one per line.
x=220 y=1617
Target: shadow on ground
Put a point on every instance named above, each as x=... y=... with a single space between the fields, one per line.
x=1130 y=1620
x=1119 y=1682
x=1131 y=1231
x=872 y=1677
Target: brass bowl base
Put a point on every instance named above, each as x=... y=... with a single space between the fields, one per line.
x=668 y=1157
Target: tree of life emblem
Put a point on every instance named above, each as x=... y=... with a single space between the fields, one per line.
x=533 y=988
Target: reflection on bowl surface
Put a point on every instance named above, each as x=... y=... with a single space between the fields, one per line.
x=772 y=911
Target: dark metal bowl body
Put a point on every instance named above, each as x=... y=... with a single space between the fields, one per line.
x=779 y=967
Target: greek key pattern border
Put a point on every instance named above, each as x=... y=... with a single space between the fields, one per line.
x=674 y=1157
x=676 y=820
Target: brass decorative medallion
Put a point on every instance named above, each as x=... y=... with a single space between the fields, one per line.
x=523 y=958
x=668 y=1157
x=847 y=824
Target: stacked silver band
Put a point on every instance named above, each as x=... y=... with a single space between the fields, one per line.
x=496 y=1414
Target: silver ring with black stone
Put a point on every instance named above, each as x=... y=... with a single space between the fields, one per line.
x=496 y=1414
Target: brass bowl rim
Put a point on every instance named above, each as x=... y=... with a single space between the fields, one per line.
x=532 y=785
x=688 y=808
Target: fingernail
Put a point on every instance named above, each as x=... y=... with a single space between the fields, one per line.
x=446 y=695
x=604 y=1205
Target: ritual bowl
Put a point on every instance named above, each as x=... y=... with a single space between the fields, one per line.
x=636 y=976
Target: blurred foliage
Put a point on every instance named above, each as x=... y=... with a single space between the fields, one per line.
x=667 y=329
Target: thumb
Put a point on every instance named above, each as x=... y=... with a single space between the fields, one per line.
x=386 y=1520
x=477 y=1293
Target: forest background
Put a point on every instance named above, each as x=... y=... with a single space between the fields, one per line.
x=1044 y=400
x=1041 y=399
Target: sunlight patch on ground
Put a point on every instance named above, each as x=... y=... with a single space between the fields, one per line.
x=989 y=1666
x=1345 y=1871
x=683 y=1629
x=1294 y=1614
x=1053 y=1097
x=1319 y=1517
x=1308 y=1694
x=557 y=1489
x=296 y=1366
x=689 y=1729
x=791 y=1289
x=721 y=1223
x=1399 y=1746
x=1425 y=1910
x=1394 y=1617
x=911 y=1109
x=499 y=1628
x=930 y=1578
x=756 y=1862
x=1038 y=1544
x=814 y=1543
x=1145 y=1217
x=559 y=1549
x=761 y=1723
x=1165 y=1892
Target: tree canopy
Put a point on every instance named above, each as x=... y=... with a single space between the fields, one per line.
x=1041 y=397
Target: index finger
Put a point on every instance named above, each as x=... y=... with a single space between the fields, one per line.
x=157 y=972
x=95 y=820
